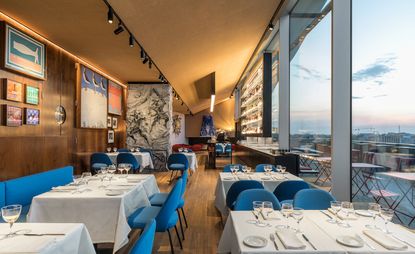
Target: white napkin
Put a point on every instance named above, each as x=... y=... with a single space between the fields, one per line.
x=242 y=177
x=343 y=216
x=270 y=216
x=133 y=180
x=65 y=188
x=384 y=240
x=289 y=239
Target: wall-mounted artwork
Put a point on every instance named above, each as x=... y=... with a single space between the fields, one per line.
x=109 y=122
x=111 y=135
x=32 y=116
x=94 y=104
x=208 y=128
x=32 y=95
x=12 y=115
x=23 y=53
x=114 y=98
x=177 y=124
x=114 y=123
x=13 y=91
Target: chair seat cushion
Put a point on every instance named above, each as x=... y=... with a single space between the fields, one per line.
x=99 y=165
x=143 y=215
x=158 y=199
x=177 y=166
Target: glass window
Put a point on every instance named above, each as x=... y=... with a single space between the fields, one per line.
x=310 y=89
x=383 y=106
x=274 y=47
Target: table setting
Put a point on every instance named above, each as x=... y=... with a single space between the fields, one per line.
x=143 y=158
x=340 y=229
x=191 y=158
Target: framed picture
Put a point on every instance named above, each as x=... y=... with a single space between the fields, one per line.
x=12 y=116
x=13 y=90
x=93 y=97
x=114 y=98
x=32 y=95
x=23 y=53
x=114 y=123
x=111 y=135
x=32 y=116
x=109 y=122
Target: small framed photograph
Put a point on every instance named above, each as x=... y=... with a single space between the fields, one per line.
x=32 y=116
x=13 y=90
x=32 y=95
x=114 y=123
x=109 y=122
x=111 y=136
x=13 y=116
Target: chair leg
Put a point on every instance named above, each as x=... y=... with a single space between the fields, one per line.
x=171 y=176
x=180 y=220
x=171 y=243
x=178 y=237
x=184 y=217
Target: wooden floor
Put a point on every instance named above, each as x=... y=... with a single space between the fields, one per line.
x=205 y=227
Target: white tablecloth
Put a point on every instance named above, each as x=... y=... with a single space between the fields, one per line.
x=222 y=186
x=191 y=158
x=144 y=159
x=314 y=225
x=75 y=240
x=104 y=216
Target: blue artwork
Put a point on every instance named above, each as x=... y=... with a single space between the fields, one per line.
x=208 y=129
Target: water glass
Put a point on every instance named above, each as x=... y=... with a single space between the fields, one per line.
x=248 y=170
x=244 y=169
x=86 y=176
x=257 y=206
x=286 y=210
x=11 y=214
x=335 y=206
x=374 y=210
x=298 y=215
x=115 y=149
x=108 y=149
x=268 y=208
x=279 y=168
x=387 y=215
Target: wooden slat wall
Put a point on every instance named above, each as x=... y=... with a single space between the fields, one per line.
x=29 y=149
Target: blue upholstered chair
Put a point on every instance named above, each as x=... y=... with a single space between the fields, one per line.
x=286 y=190
x=144 y=244
x=99 y=160
x=2 y=197
x=158 y=199
x=177 y=162
x=219 y=149
x=123 y=150
x=166 y=216
x=128 y=158
x=227 y=167
x=313 y=199
x=228 y=148
x=247 y=197
x=260 y=167
x=237 y=187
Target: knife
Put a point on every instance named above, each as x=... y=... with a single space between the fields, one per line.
x=40 y=234
x=328 y=215
x=311 y=244
x=256 y=215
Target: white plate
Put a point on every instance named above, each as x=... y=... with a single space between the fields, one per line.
x=364 y=213
x=255 y=241
x=113 y=192
x=350 y=241
x=228 y=178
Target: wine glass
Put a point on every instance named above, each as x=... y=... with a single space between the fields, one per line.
x=347 y=207
x=387 y=215
x=111 y=171
x=258 y=206
x=248 y=170
x=121 y=168
x=127 y=168
x=132 y=149
x=374 y=210
x=244 y=169
x=279 y=168
x=115 y=149
x=336 y=207
x=268 y=208
x=286 y=210
x=298 y=215
x=101 y=176
x=86 y=176
x=11 y=214
x=108 y=149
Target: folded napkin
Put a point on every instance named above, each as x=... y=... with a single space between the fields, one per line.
x=65 y=188
x=343 y=216
x=289 y=239
x=243 y=177
x=383 y=239
x=133 y=180
x=270 y=216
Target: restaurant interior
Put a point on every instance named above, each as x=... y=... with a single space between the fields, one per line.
x=209 y=126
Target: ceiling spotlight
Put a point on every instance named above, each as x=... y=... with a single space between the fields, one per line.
x=150 y=63
x=270 y=26
x=145 y=60
x=142 y=54
x=110 y=15
x=131 y=41
x=182 y=103
x=161 y=77
x=119 y=29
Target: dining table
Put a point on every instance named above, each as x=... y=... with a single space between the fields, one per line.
x=192 y=159
x=102 y=206
x=46 y=238
x=316 y=235
x=225 y=181
x=143 y=158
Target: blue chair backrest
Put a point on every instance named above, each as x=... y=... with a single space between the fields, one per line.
x=144 y=244
x=100 y=158
x=287 y=189
x=260 y=167
x=123 y=150
x=246 y=197
x=21 y=190
x=2 y=194
x=228 y=148
x=219 y=148
x=169 y=207
x=313 y=199
x=238 y=187
x=178 y=158
x=227 y=168
x=128 y=158
x=184 y=178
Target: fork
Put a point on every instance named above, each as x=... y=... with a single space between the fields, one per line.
x=272 y=237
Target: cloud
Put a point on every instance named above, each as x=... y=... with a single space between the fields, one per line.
x=376 y=71
x=357 y=97
x=307 y=73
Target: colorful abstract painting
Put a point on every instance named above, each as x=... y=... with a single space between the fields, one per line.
x=32 y=95
x=114 y=98
x=13 y=90
x=13 y=115
x=94 y=104
x=208 y=128
x=24 y=54
x=32 y=116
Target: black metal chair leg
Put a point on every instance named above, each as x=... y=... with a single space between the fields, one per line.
x=184 y=217
x=180 y=220
x=178 y=237
x=171 y=176
x=171 y=243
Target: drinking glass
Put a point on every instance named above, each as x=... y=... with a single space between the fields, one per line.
x=266 y=169
x=298 y=215
x=244 y=169
x=11 y=214
x=286 y=210
x=387 y=215
x=335 y=206
x=268 y=208
x=86 y=176
x=127 y=168
x=121 y=168
x=101 y=176
x=115 y=149
x=374 y=210
x=258 y=206
x=132 y=149
x=108 y=149
x=347 y=207
x=111 y=171
x=248 y=170
x=279 y=168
